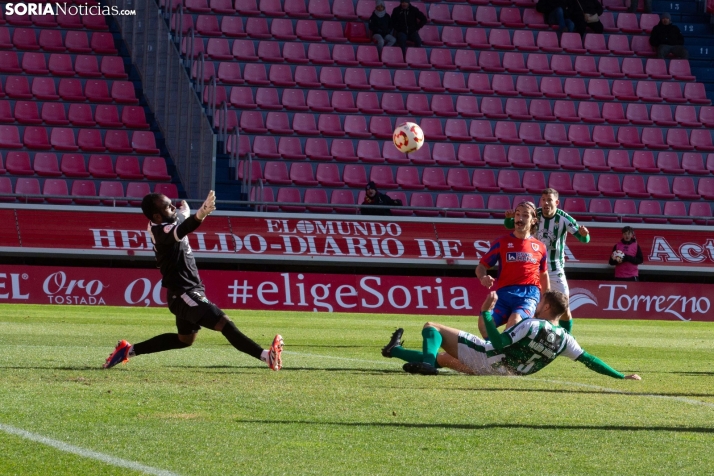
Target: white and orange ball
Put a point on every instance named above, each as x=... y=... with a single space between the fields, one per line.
x=408 y=137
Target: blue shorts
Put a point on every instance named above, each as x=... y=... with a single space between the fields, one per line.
x=519 y=299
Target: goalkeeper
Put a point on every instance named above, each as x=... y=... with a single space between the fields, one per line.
x=523 y=349
x=169 y=228
x=553 y=227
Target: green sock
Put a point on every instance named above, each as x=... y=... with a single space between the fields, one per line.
x=407 y=355
x=567 y=325
x=431 y=345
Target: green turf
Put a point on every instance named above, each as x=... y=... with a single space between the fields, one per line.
x=338 y=407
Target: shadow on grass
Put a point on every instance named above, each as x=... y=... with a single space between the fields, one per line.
x=78 y=367
x=690 y=373
x=552 y=390
x=487 y=426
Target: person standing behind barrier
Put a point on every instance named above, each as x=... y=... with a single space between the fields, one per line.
x=380 y=26
x=667 y=39
x=407 y=20
x=626 y=256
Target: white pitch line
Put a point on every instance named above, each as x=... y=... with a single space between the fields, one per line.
x=689 y=401
x=85 y=453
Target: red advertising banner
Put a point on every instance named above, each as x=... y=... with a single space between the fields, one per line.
x=334 y=238
x=341 y=293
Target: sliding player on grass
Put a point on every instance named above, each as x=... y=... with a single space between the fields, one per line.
x=523 y=349
x=553 y=227
x=169 y=230
x=522 y=270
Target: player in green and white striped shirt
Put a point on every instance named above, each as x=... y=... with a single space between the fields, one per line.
x=523 y=349
x=553 y=227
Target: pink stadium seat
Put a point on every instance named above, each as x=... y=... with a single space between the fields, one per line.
x=672 y=92
x=61 y=65
x=624 y=90
x=555 y=134
x=584 y=184
x=506 y=133
x=498 y=204
x=493 y=108
x=270 y=8
x=453 y=36
x=343 y=151
x=490 y=61
x=206 y=25
x=451 y=201
x=485 y=181
x=433 y=179
x=517 y=109
x=569 y=159
x=265 y=147
x=648 y=21
x=84 y=188
x=18 y=163
x=479 y=83
x=705 y=188
x=686 y=116
x=137 y=190
x=45 y=165
x=644 y=162
x=57 y=187
x=585 y=66
x=28 y=186
x=632 y=68
x=629 y=137
x=696 y=94
x=418 y=105
x=127 y=167
x=627 y=207
x=112 y=189
x=657 y=69
x=620 y=45
x=474 y=202
x=575 y=88
x=637 y=114
x=456 y=129
x=424 y=200
x=534 y=19
x=107 y=116
x=562 y=183
x=579 y=135
x=73 y=165
x=444 y=154
x=572 y=43
x=36 y=138
x=538 y=64
x=316 y=149
x=552 y=88
x=25 y=112
x=541 y=110
x=10 y=137
x=470 y=155
x=343 y=101
x=301 y=173
x=595 y=44
x=544 y=158
x=278 y=123
x=651 y=207
x=277 y=173
x=25 y=39
x=354 y=176
x=332 y=32
x=634 y=186
x=590 y=112
x=608 y=185
x=34 y=63
x=548 y=42
x=702 y=210
x=684 y=189
x=534 y=181
x=101 y=166
x=440 y=14
x=290 y=195
x=619 y=161
x=680 y=70
x=408 y=178
x=613 y=113
x=528 y=133
x=500 y=39
x=672 y=210
x=459 y=180
x=514 y=63
x=576 y=208
x=495 y=156
x=640 y=46
x=520 y=157
x=652 y=138
x=485 y=16
x=76 y=42
x=627 y=23
x=476 y=38
x=658 y=187
x=88 y=140
x=678 y=140
x=662 y=115
x=693 y=164
x=702 y=140
x=601 y=205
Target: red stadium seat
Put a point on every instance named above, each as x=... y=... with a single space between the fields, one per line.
x=632 y=68
x=343 y=150
x=651 y=207
x=485 y=181
x=548 y=42
x=601 y=205
x=18 y=163
x=644 y=162
x=619 y=161
x=475 y=202
x=627 y=207
x=561 y=181
x=28 y=186
x=693 y=164
x=608 y=185
x=652 y=138
x=684 y=189
x=45 y=165
x=459 y=179
x=100 y=166
x=354 y=176
x=498 y=204
x=127 y=168
x=672 y=210
x=84 y=188
x=697 y=209
x=112 y=189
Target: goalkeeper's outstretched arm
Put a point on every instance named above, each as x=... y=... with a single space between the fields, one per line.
x=190 y=222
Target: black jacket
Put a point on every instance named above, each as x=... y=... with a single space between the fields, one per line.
x=380 y=26
x=636 y=260
x=586 y=6
x=383 y=201
x=666 y=35
x=408 y=21
x=547 y=6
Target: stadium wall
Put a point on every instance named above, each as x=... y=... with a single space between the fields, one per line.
x=312 y=239
x=274 y=291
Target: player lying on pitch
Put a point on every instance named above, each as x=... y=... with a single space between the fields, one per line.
x=523 y=349
x=186 y=295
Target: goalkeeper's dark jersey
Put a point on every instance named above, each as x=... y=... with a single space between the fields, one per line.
x=174 y=256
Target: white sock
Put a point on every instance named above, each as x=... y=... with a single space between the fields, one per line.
x=264 y=356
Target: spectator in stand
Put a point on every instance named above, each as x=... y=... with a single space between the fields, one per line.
x=380 y=26
x=556 y=12
x=626 y=256
x=667 y=39
x=634 y=4
x=407 y=20
x=586 y=14
x=373 y=197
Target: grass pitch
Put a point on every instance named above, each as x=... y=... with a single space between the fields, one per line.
x=338 y=407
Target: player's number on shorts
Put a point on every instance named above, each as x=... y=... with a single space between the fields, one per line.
x=524 y=368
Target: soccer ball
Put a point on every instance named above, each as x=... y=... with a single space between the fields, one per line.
x=617 y=254
x=408 y=137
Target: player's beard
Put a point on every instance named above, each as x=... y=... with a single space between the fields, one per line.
x=169 y=218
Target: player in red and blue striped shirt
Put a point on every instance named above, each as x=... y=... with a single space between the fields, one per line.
x=522 y=270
